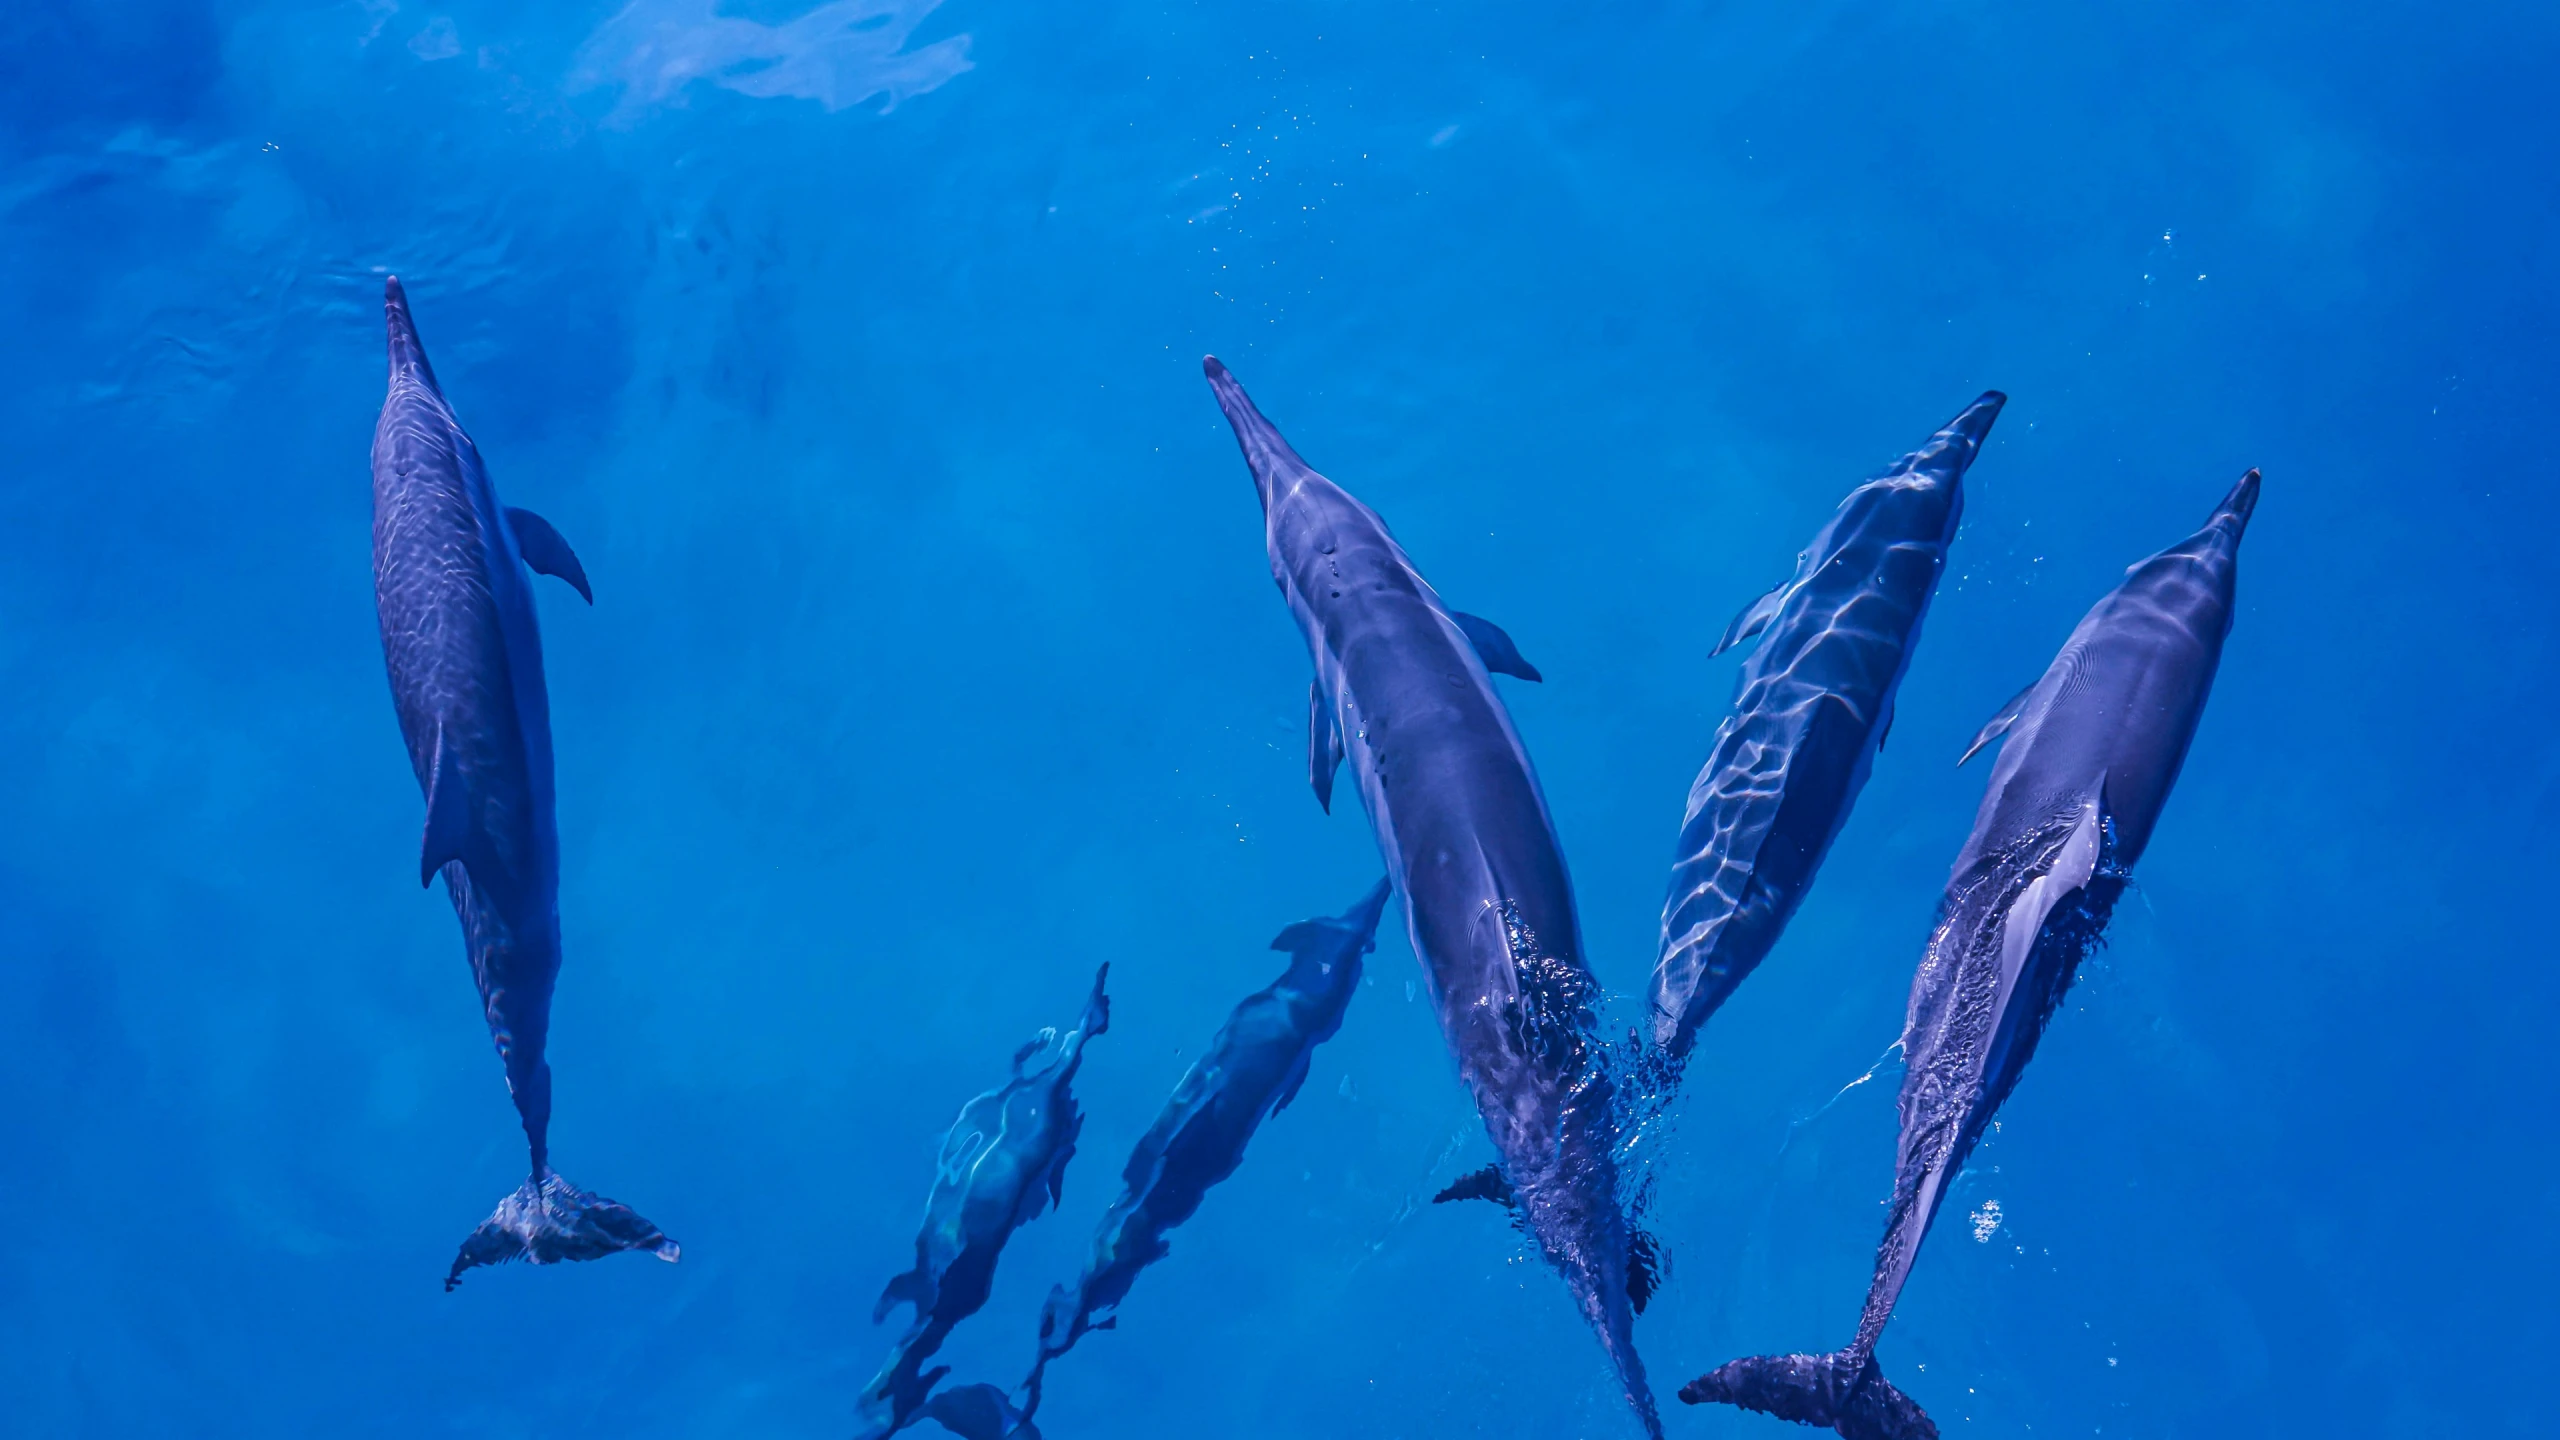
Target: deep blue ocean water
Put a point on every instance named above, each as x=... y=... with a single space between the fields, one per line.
x=934 y=660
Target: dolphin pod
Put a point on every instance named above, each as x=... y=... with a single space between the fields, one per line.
x=2092 y=750
x=1003 y=1162
x=1810 y=711
x=465 y=658
x=1251 y=1071
x=1404 y=690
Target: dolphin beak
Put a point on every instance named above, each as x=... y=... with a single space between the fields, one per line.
x=1976 y=420
x=407 y=355
x=2241 y=503
x=1362 y=918
x=1265 y=452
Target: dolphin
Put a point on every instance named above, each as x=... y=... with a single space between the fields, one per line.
x=465 y=657
x=2094 y=747
x=1004 y=1161
x=1251 y=1070
x=1404 y=690
x=1810 y=711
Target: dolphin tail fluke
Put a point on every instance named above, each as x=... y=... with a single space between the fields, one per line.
x=1843 y=1392
x=978 y=1412
x=547 y=1222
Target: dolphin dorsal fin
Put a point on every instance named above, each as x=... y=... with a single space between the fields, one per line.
x=1755 y=617
x=1494 y=647
x=1324 y=750
x=2075 y=862
x=545 y=553
x=1998 y=725
x=1300 y=936
x=448 y=815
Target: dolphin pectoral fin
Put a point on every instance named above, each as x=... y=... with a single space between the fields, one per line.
x=1495 y=648
x=1484 y=1184
x=913 y=1288
x=1290 y=1087
x=1998 y=725
x=448 y=816
x=1324 y=747
x=1755 y=617
x=1881 y=735
x=545 y=553
x=1644 y=1268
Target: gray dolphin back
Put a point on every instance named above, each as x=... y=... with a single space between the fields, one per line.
x=1810 y=711
x=2092 y=750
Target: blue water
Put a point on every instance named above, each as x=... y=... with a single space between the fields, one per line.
x=934 y=660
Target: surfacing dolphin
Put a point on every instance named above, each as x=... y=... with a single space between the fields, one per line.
x=1810 y=711
x=1404 y=690
x=1252 y=1070
x=465 y=656
x=1004 y=1161
x=2094 y=747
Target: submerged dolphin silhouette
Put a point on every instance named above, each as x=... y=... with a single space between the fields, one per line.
x=1404 y=689
x=1810 y=711
x=465 y=657
x=2097 y=744
x=1004 y=1161
x=1251 y=1070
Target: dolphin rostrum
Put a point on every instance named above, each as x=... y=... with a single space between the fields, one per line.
x=1404 y=690
x=2093 y=749
x=1251 y=1070
x=1810 y=711
x=1004 y=1161
x=465 y=656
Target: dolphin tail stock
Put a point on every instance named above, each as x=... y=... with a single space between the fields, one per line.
x=1844 y=1392
x=548 y=1220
